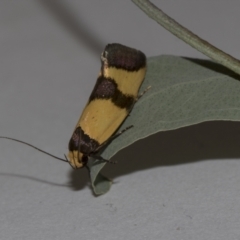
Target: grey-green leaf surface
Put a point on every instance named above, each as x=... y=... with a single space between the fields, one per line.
x=183 y=92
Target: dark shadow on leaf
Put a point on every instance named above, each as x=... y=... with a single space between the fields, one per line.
x=80 y=29
x=33 y=179
x=214 y=67
x=205 y=141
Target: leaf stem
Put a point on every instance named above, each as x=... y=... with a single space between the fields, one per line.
x=187 y=36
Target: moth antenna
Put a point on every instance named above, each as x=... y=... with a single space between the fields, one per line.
x=40 y=150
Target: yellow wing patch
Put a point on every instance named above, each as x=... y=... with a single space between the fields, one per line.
x=101 y=118
x=128 y=82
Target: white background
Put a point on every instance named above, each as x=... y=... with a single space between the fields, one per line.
x=182 y=184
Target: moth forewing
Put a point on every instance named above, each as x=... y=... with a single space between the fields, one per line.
x=122 y=71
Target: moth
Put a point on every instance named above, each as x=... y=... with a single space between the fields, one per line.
x=122 y=72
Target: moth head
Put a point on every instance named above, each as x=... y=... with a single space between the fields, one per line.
x=77 y=159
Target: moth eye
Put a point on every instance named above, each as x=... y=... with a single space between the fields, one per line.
x=84 y=159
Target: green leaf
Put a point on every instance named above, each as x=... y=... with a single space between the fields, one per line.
x=100 y=183
x=183 y=92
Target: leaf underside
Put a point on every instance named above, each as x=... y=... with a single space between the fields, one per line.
x=183 y=92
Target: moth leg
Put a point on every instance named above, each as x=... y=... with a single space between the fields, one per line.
x=103 y=159
x=119 y=133
x=113 y=137
x=106 y=142
x=142 y=93
x=138 y=97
